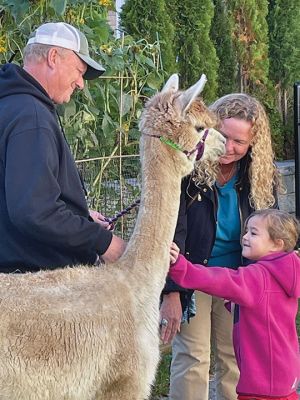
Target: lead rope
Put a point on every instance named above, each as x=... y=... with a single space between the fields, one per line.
x=123 y=212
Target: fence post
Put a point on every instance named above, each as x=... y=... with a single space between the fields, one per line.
x=297 y=145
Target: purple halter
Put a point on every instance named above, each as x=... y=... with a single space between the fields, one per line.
x=199 y=148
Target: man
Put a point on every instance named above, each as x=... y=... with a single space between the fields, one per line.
x=44 y=220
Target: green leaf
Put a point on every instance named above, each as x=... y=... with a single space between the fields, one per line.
x=87 y=93
x=87 y=117
x=102 y=32
x=127 y=104
x=95 y=140
x=106 y=125
x=117 y=63
x=94 y=110
x=80 y=133
x=134 y=134
x=18 y=9
x=69 y=109
x=154 y=80
x=149 y=62
x=59 y=6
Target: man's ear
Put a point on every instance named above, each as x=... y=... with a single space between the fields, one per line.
x=52 y=57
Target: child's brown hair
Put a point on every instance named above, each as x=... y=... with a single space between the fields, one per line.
x=280 y=225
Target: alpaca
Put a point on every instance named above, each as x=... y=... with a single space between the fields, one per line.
x=91 y=333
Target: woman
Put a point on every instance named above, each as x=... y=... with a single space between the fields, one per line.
x=215 y=201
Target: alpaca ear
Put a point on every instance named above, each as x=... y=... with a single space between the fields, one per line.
x=172 y=84
x=187 y=97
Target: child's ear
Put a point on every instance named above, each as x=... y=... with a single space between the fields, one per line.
x=279 y=244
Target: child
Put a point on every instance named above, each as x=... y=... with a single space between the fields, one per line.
x=265 y=337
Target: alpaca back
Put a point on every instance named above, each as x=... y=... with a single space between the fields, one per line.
x=73 y=343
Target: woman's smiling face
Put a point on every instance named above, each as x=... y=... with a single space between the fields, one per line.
x=238 y=138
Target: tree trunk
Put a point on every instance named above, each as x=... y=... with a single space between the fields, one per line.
x=285 y=107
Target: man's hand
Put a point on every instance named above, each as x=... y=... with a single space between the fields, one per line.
x=100 y=219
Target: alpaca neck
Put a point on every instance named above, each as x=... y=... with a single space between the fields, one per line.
x=154 y=230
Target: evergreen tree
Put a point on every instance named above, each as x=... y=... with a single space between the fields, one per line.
x=250 y=37
x=150 y=21
x=195 y=50
x=284 y=30
x=172 y=10
x=221 y=33
x=251 y=42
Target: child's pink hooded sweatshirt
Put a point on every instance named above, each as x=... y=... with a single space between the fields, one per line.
x=265 y=337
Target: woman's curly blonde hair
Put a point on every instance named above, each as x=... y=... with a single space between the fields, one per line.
x=262 y=170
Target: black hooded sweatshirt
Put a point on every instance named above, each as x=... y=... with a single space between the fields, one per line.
x=44 y=218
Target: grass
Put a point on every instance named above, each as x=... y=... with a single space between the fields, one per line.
x=161 y=387
x=298 y=323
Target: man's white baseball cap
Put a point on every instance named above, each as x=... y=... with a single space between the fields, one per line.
x=67 y=36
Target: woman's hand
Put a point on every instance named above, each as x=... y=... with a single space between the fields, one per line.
x=170 y=316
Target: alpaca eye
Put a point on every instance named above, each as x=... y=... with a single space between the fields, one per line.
x=199 y=128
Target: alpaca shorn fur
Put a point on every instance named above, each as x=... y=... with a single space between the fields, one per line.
x=91 y=333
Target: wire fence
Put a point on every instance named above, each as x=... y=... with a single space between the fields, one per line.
x=113 y=183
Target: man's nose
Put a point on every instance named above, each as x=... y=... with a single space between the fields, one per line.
x=80 y=83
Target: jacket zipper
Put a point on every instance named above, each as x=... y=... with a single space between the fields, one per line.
x=237 y=189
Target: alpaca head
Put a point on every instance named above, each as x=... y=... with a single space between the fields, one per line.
x=175 y=125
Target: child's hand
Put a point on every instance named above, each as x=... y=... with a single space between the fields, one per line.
x=174 y=252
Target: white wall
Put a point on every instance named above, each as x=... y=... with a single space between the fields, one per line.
x=287 y=200
x=119 y=4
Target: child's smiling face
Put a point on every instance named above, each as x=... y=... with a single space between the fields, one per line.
x=256 y=241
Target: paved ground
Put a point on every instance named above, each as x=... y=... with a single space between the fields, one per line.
x=212 y=389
